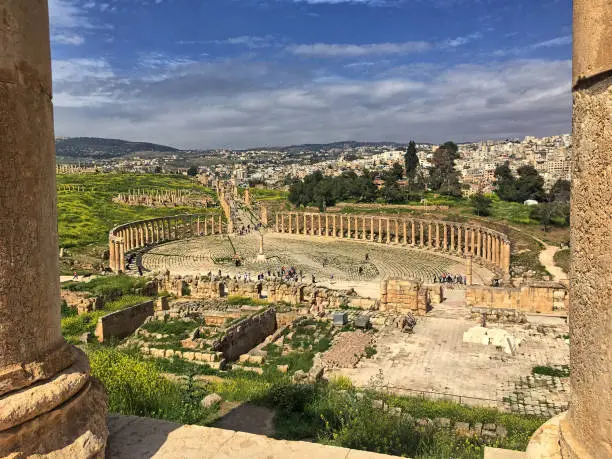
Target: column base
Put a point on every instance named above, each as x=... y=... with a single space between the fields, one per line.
x=554 y=440
x=61 y=417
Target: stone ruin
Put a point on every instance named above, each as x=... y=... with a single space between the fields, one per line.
x=164 y=198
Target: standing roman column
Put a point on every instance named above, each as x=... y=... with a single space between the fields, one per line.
x=466 y=236
x=364 y=230
x=445 y=239
x=326 y=225
x=452 y=237
x=348 y=223
x=341 y=226
x=48 y=403
x=111 y=254
x=412 y=233
x=438 y=236
x=422 y=234
x=396 y=231
x=468 y=270
x=372 y=229
x=388 y=238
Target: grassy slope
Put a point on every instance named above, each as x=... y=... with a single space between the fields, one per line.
x=85 y=217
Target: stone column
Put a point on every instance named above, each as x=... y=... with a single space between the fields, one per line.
x=405 y=228
x=320 y=219
x=372 y=229
x=473 y=238
x=334 y=226
x=466 y=236
x=412 y=233
x=430 y=235
x=121 y=255
x=348 y=223
x=364 y=236
x=388 y=238
x=468 y=270
x=422 y=235
x=341 y=226
x=48 y=403
x=479 y=244
x=396 y=231
x=445 y=237
x=437 y=236
x=220 y=224
x=452 y=238
x=290 y=223
x=306 y=224
x=326 y=225
x=379 y=229
x=111 y=254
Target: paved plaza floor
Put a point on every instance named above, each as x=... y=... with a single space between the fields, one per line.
x=321 y=256
x=435 y=359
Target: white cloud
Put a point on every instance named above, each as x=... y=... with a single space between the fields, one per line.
x=66 y=20
x=558 y=41
x=341 y=50
x=231 y=103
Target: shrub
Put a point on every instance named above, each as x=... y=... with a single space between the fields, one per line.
x=135 y=387
x=174 y=327
x=340 y=382
x=370 y=351
x=561 y=372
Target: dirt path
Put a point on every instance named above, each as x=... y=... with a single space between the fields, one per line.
x=547 y=258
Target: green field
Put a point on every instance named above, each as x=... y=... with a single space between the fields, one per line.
x=85 y=217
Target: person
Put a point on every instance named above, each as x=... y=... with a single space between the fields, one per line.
x=313 y=278
x=140 y=270
x=367 y=256
x=75 y=276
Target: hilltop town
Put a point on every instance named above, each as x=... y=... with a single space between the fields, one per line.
x=275 y=167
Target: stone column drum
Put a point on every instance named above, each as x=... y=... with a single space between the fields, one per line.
x=48 y=402
x=586 y=432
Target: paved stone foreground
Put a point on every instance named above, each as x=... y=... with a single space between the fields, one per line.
x=132 y=437
x=435 y=358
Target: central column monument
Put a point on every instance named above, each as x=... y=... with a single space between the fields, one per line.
x=49 y=405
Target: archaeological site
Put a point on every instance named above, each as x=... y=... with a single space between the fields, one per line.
x=193 y=316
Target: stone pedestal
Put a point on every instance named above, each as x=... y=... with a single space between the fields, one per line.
x=48 y=403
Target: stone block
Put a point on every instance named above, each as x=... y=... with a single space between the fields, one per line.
x=462 y=428
x=340 y=319
x=282 y=368
x=362 y=322
x=210 y=400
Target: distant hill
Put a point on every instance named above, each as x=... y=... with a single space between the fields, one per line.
x=97 y=148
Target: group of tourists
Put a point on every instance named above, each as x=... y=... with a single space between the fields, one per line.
x=447 y=278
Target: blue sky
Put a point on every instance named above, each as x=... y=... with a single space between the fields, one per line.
x=241 y=73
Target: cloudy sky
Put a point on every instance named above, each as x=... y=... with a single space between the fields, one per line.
x=241 y=73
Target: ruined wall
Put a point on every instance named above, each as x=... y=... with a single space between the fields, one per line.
x=539 y=297
x=246 y=334
x=125 y=322
x=402 y=296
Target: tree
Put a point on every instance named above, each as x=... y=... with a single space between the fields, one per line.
x=561 y=191
x=411 y=163
x=529 y=184
x=545 y=213
x=481 y=204
x=192 y=171
x=443 y=177
x=505 y=182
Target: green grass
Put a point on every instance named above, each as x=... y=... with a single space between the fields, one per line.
x=562 y=259
x=268 y=194
x=135 y=387
x=174 y=327
x=73 y=326
x=85 y=218
x=331 y=417
x=560 y=372
x=235 y=300
x=107 y=287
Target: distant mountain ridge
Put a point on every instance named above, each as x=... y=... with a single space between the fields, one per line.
x=98 y=148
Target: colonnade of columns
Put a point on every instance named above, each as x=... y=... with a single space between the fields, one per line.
x=456 y=238
x=134 y=235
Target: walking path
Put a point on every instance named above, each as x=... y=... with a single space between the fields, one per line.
x=547 y=258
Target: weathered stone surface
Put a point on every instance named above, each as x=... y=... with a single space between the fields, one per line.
x=76 y=428
x=133 y=437
x=19 y=407
x=211 y=400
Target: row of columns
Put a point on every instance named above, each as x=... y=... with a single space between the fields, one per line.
x=134 y=235
x=462 y=239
